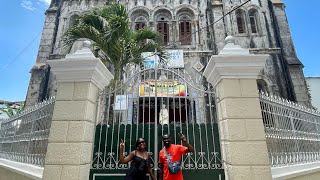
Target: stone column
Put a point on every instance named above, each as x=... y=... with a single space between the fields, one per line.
x=79 y=76
x=244 y=150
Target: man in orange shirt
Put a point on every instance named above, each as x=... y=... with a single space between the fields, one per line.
x=174 y=153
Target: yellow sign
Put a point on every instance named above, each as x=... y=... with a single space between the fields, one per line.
x=165 y=88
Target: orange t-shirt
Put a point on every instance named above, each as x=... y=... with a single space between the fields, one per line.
x=175 y=151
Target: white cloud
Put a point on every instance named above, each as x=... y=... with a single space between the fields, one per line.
x=33 y=5
x=47 y=2
x=27 y=4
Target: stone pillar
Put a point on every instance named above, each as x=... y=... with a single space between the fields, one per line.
x=244 y=150
x=79 y=76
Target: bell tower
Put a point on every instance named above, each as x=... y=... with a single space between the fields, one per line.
x=40 y=72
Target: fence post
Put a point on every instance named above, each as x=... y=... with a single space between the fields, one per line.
x=79 y=76
x=244 y=150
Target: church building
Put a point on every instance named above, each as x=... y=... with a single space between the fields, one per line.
x=198 y=27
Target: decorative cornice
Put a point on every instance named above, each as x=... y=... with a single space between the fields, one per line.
x=216 y=3
x=234 y=67
x=265 y=51
x=233 y=62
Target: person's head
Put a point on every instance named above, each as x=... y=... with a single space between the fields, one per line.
x=141 y=144
x=166 y=140
x=163 y=106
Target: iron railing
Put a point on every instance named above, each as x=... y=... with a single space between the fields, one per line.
x=292 y=131
x=152 y=102
x=24 y=137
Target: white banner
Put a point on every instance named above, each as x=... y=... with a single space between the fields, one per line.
x=121 y=102
x=175 y=59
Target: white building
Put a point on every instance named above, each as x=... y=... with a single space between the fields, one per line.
x=314 y=86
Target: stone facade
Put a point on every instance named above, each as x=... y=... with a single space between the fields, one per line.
x=259 y=25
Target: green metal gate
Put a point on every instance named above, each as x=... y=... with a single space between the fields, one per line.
x=134 y=107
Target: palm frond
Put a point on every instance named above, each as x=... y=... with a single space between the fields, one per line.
x=109 y=29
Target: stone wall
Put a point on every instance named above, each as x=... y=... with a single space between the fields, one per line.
x=311 y=176
x=308 y=171
x=10 y=170
x=10 y=175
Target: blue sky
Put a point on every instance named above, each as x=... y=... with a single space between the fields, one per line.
x=22 y=20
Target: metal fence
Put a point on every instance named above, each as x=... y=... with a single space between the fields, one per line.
x=24 y=137
x=292 y=131
x=152 y=102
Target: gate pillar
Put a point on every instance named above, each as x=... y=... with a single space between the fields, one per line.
x=79 y=77
x=233 y=73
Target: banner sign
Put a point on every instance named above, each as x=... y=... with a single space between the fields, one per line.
x=174 y=59
x=150 y=59
x=121 y=102
x=165 y=88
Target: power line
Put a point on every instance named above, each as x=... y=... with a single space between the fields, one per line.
x=5 y=66
x=22 y=51
x=237 y=7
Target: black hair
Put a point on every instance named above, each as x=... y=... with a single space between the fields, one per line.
x=137 y=142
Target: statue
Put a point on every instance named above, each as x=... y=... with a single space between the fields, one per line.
x=164 y=115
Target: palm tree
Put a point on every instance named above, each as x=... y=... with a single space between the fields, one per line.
x=116 y=44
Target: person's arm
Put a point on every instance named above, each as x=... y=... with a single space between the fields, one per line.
x=151 y=173
x=149 y=168
x=161 y=171
x=185 y=143
x=125 y=160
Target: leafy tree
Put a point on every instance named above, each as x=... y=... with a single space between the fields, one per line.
x=115 y=42
x=10 y=111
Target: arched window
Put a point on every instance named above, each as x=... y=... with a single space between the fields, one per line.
x=185 y=30
x=73 y=20
x=140 y=22
x=163 y=29
x=253 y=16
x=240 y=21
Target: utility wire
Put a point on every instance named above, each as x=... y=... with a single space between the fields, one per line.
x=5 y=66
x=237 y=7
x=25 y=48
x=234 y=9
x=22 y=51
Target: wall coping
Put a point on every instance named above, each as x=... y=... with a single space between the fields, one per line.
x=280 y=173
x=234 y=67
x=28 y=170
x=234 y=62
x=81 y=66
